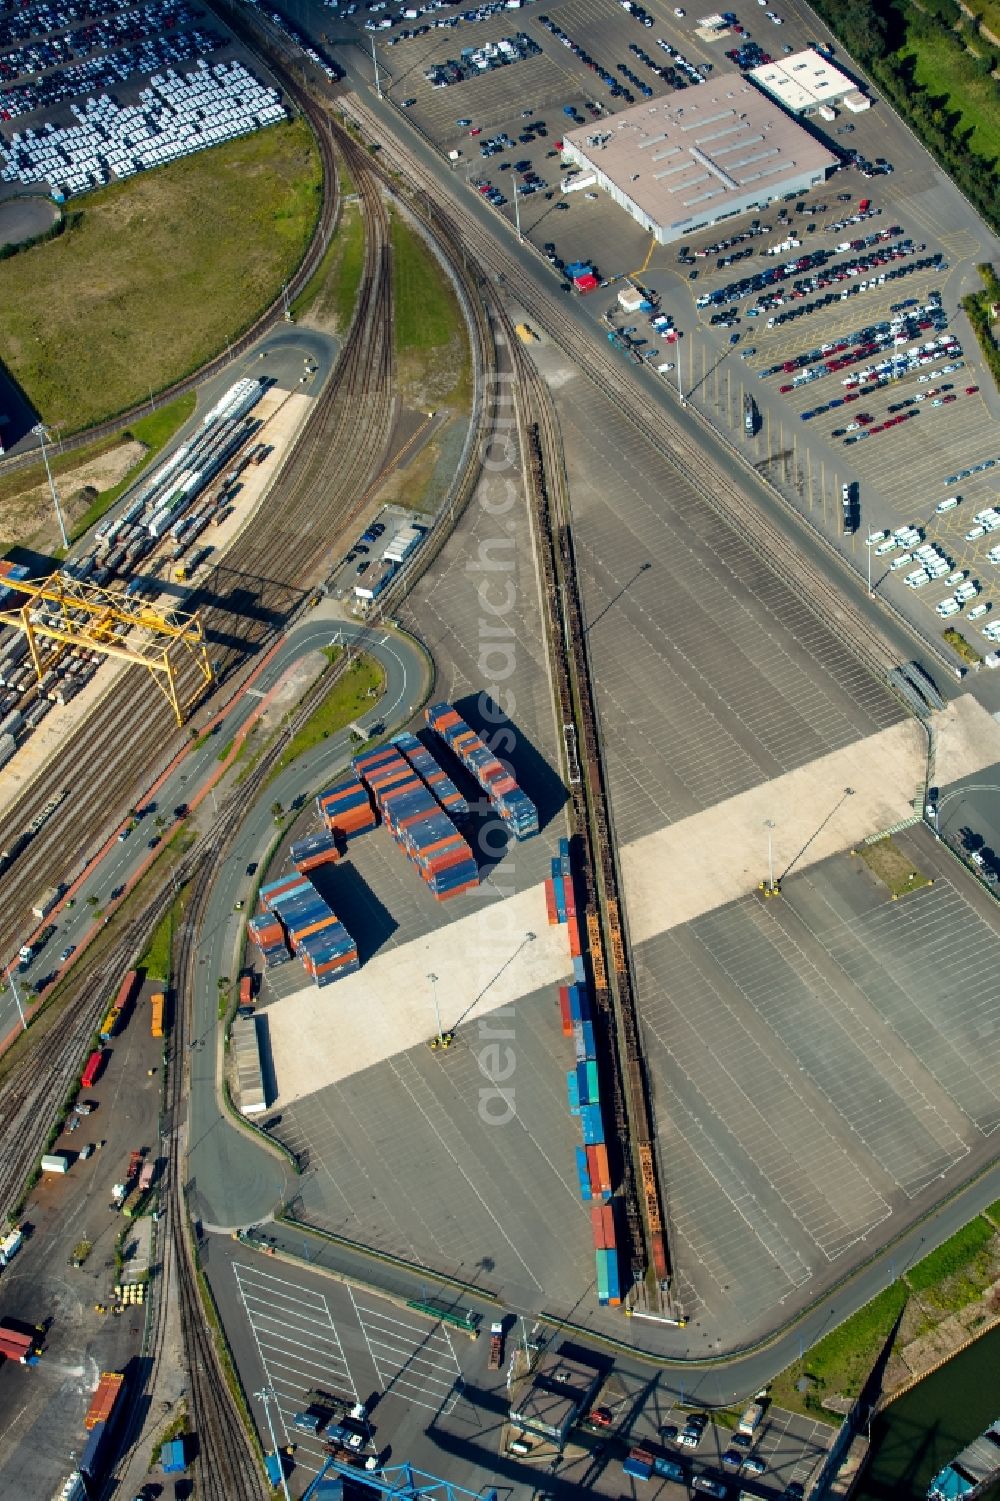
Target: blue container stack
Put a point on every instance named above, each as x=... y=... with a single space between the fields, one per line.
x=515 y=809
x=315 y=933
x=269 y=936
x=438 y=781
x=315 y=849
x=418 y=823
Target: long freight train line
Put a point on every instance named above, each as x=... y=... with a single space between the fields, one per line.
x=315 y=499
x=615 y=380
x=613 y=983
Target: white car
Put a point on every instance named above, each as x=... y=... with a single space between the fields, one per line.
x=901 y=561
x=974 y=532
x=874 y=538
x=884 y=547
x=947 y=607
x=678 y=12
x=978 y=612
x=946 y=505
x=967 y=591
x=776 y=19
x=917 y=579
x=955 y=578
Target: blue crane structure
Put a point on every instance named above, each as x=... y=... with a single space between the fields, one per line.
x=401 y=1482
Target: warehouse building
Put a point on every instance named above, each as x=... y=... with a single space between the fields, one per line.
x=807 y=83
x=685 y=162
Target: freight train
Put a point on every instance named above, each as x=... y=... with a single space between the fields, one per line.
x=20 y=842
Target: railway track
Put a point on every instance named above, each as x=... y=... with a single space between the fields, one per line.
x=269 y=318
x=617 y=382
x=248 y=599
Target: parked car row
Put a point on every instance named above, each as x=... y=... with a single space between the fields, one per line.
x=485 y=59
x=615 y=89
x=100 y=35
x=155 y=53
x=681 y=72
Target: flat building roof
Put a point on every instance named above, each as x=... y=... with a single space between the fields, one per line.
x=693 y=153
x=803 y=81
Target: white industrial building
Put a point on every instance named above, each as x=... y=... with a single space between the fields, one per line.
x=684 y=162
x=807 y=83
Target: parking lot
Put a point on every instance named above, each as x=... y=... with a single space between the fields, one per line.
x=320 y=1347
x=931 y=254
x=818 y=1069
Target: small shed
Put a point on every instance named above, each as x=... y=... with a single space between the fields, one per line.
x=172 y=1457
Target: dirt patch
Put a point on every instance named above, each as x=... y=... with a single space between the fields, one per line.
x=892 y=867
x=29 y=514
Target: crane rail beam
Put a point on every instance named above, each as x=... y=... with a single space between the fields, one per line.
x=89 y=616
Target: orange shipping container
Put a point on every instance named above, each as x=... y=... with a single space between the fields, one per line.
x=601 y=1169
x=550 y=906
x=104 y=1399
x=567 y=1018
x=574 y=938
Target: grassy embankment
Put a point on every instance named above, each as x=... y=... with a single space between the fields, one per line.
x=156 y=273
x=947 y=1280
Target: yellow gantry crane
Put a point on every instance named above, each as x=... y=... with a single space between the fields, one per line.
x=72 y=612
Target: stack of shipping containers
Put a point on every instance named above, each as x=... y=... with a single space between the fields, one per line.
x=315 y=850
x=313 y=930
x=441 y=785
x=418 y=823
x=102 y=1416
x=515 y=809
x=346 y=808
x=269 y=936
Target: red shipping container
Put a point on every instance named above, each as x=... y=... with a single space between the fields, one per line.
x=574 y=938
x=550 y=905
x=597 y=1226
x=568 y=897
x=103 y=1401
x=567 y=1019
x=608 y=1219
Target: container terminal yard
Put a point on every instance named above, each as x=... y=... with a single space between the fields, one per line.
x=548 y=1058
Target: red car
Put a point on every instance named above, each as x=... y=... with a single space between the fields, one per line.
x=971 y=390
x=851 y=396
x=945 y=399
x=784 y=390
x=476 y=130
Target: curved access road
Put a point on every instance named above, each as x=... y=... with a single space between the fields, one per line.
x=234 y=1180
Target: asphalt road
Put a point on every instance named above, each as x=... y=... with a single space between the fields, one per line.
x=122 y=859
x=232 y=1181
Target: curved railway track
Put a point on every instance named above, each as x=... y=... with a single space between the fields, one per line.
x=252 y=594
x=269 y=318
x=616 y=381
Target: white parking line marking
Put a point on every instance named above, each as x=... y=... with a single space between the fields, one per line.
x=419 y=1362
x=293 y=1365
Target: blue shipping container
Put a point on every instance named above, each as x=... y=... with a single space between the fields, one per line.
x=583 y=1172
x=614 y=1284
x=573 y=1091
x=589 y=1049
x=602 y=1277
x=593 y=1125
x=585 y=1093
x=579 y=973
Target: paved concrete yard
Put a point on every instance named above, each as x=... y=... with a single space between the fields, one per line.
x=820 y=1064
